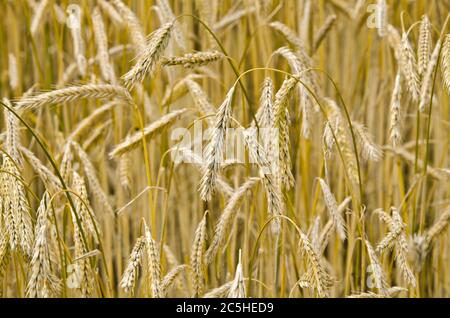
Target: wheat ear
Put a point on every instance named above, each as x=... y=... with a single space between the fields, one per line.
x=198 y=258
x=106 y=68
x=445 y=62
x=50 y=180
x=91 y=176
x=136 y=31
x=281 y=122
x=320 y=279
x=226 y=219
x=12 y=134
x=149 y=56
x=424 y=45
x=219 y=292
x=408 y=66
x=201 y=100
x=42 y=283
x=332 y=207
x=171 y=277
x=439 y=226
x=427 y=81
x=370 y=150
x=237 y=288
x=96 y=116
x=38 y=16
x=396 y=112
x=154 y=264
x=323 y=31
x=191 y=60
x=109 y=9
x=169 y=16
x=377 y=270
x=133 y=141
x=336 y=123
x=74 y=93
x=290 y=35
x=215 y=148
x=129 y=276
x=83 y=208
x=16 y=209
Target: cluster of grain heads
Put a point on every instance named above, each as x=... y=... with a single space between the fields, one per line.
x=145 y=254
x=406 y=60
x=396 y=237
x=190 y=156
x=317 y=277
x=64 y=170
x=15 y=207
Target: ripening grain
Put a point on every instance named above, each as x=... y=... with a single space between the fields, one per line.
x=239 y=148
